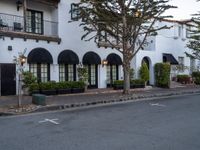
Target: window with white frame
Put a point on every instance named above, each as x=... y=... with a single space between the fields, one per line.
x=41 y=71
x=67 y=72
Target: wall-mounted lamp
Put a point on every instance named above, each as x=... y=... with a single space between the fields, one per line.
x=104 y=62
x=22 y=59
x=19 y=4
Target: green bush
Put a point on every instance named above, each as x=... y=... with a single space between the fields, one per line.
x=144 y=72
x=184 y=78
x=162 y=74
x=77 y=84
x=138 y=82
x=118 y=82
x=51 y=85
x=28 y=78
x=33 y=87
x=196 y=76
x=82 y=74
x=64 y=85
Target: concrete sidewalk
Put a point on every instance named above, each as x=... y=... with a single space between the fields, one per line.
x=8 y=104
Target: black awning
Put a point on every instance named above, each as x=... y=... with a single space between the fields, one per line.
x=68 y=57
x=170 y=58
x=39 y=55
x=114 y=59
x=91 y=58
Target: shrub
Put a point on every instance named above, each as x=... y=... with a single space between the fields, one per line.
x=64 y=85
x=51 y=85
x=118 y=82
x=162 y=74
x=77 y=84
x=183 y=78
x=144 y=72
x=138 y=82
x=196 y=76
x=82 y=74
x=33 y=87
x=28 y=78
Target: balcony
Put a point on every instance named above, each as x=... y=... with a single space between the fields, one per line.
x=17 y=27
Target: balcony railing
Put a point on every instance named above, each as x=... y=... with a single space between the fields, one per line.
x=14 y=23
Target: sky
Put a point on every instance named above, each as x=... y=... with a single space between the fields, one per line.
x=184 y=10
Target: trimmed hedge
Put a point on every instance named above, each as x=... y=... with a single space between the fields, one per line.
x=196 y=76
x=136 y=83
x=185 y=79
x=54 y=87
x=162 y=75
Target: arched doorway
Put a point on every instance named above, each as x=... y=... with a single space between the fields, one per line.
x=114 y=61
x=91 y=60
x=147 y=60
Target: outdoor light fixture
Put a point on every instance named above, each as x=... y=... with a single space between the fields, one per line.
x=22 y=60
x=104 y=62
x=19 y=4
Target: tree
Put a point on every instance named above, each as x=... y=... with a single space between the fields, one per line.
x=123 y=25
x=194 y=42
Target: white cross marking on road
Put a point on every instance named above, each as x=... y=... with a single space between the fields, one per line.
x=157 y=104
x=49 y=120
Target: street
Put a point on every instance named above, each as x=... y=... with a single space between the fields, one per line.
x=162 y=124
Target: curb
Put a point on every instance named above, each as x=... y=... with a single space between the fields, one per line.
x=100 y=103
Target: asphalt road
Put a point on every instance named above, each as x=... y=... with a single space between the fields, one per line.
x=165 y=124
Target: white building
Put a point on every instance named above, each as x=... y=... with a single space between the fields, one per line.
x=54 y=46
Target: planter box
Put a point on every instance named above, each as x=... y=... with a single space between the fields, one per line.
x=77 y=90
x=39 y=99
x=132 y=86
x=34 y=92
x=139 y=86
x=118 y=87
x=64 y=91
x=48 y=92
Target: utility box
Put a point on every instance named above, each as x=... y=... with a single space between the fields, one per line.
x=39 y=99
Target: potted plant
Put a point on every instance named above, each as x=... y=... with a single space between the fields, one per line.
x=63 y=87
x=48 y=88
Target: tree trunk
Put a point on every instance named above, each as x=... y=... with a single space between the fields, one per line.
x=126 y=67
x=126 y=53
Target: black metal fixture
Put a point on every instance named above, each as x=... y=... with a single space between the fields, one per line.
x=10 y=48
x=19 y=4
